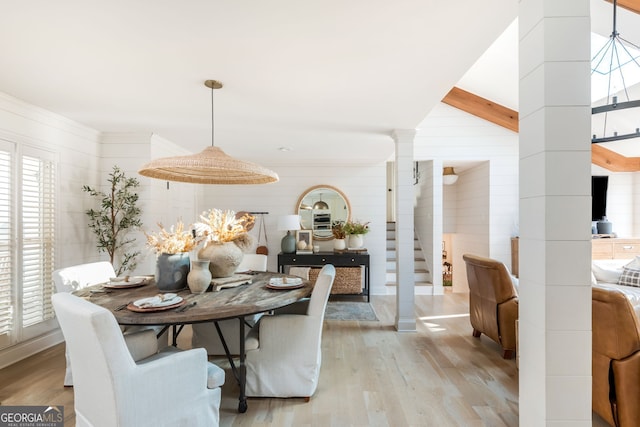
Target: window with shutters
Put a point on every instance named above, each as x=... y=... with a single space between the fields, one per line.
x=27 y=242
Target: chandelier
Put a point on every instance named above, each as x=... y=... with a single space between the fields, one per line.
x=608 y=62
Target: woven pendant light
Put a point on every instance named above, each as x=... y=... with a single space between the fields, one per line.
x=211 y=166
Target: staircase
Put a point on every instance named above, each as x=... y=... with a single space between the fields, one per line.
x=421 y=271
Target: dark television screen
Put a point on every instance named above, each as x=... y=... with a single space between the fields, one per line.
x=599 y=197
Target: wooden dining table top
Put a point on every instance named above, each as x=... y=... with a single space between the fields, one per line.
x=228 y=303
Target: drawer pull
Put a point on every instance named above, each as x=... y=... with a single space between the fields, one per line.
x=323 y=259
x=353 y=260
x=627 y=247
x=294 y=260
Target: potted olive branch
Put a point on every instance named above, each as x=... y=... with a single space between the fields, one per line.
x=117 y=216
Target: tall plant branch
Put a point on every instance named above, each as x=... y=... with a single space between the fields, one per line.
x=118 y=215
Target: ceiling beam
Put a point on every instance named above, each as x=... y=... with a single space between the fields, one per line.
x=632 y=5
x=507 y=118
x=483 y=108
x=613 y=161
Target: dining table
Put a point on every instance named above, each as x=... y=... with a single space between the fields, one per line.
x=258 y=294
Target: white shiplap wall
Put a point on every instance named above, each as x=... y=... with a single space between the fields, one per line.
x=76 y=149
x=159 y=203
x=364 y=186
x=481 y=208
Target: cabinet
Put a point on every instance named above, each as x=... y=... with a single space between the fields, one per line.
x=604 y=248
x=615 y=248
x=337 y=259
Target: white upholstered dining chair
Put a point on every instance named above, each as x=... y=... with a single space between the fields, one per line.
x=252 y=262
x=77 y=277
x=167 y=388
x=205 y=334
x=283 y=351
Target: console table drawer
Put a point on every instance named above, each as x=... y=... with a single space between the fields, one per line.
x=352 y=269
x=342 y=261
x=601 y=249
x=626 y=250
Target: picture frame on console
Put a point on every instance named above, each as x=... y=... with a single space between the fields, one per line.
x=304 y=241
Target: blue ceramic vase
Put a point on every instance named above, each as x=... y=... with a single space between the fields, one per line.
x=172 y=271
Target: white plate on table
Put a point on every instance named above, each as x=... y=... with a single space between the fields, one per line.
x=285 y=283
x=132 y=282
x=158 y=301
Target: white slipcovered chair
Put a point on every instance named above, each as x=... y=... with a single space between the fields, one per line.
x=283 y=352
x=252 y=262
x=77 y=277
x=205 y=334
x=169 y=388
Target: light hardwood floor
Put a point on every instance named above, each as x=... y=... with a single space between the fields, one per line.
x=371 y=376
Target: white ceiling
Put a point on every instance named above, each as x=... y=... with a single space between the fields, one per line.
x=329 y=80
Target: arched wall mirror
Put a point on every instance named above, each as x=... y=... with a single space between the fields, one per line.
x=319 y=207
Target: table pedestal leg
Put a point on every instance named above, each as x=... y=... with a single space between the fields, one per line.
x=242 y=405
x=240 y=372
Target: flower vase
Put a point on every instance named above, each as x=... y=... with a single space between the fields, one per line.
x=199 y=278
x=339 y=244
x=171 y=271
x=224 y=258
x=356 y=241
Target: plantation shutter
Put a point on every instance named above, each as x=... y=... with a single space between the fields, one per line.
x=27 y=242
x=6 y=227
x=38 y=239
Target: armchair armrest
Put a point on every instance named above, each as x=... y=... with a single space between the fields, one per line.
x=626 y=384
x=184 y=371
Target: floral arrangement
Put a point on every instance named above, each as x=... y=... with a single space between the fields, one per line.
x=173 y=241
x=220 y=226
x=356 y=227
x=337 y=229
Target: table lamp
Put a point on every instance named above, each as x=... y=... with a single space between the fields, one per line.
x=288 y=223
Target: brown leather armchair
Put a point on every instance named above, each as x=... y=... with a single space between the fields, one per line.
x=615 y=358
x=493 y=302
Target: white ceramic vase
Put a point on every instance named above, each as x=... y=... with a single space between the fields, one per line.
x=356 y=241
x=339 y=244
x=224 y=258
x=199 y=278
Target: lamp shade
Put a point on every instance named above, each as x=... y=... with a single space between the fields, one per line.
x=289 y=222
x=211 y=166
x=449 y=176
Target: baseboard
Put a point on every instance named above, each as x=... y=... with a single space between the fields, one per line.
x=20 y=351
x=417 y=290
x=406 y=325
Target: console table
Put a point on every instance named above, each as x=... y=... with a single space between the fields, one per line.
x=321 y=258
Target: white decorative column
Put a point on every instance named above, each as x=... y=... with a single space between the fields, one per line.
x=405 y=298
x=555 y=208
x=437 y=226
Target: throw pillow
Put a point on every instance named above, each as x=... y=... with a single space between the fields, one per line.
x=630 y=277
x=607 y=274
x=635 y=263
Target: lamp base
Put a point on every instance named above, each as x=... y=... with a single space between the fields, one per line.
x=288 y=244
